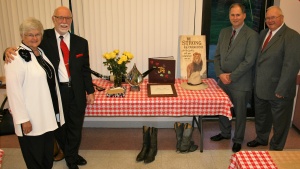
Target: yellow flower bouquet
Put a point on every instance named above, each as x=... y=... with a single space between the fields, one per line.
x=117 y=65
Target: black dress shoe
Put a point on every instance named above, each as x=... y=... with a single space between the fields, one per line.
x=255 y=143
x=72 y=166
x=81 y=161
x=218 y=137
x=236 y=147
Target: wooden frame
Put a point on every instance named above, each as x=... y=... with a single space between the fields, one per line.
x=161 y=90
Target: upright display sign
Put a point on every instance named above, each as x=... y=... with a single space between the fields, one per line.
x=192 y=55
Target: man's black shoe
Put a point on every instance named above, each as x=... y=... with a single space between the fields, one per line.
x=255 y=143
x=236 y=147
x=218 y=137
x=81 y=161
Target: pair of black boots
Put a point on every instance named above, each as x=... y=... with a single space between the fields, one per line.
x=149 y=149
x=184 y=137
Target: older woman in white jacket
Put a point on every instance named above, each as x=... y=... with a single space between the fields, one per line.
x=34 y=97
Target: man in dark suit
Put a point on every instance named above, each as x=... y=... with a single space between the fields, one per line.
x=75 y=84
x=277 y=66
x=234 y=59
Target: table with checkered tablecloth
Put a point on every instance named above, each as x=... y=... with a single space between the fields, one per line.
x=1 y=156
x=265 y=159
x=251 y=159
x=209 y=102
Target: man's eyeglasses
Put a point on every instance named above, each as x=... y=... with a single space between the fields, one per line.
x=32 y=35
x=272 y=18
x=61 y=18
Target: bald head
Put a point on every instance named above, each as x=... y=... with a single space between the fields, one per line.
x=62 y=19
x=274 y=18
x=62 y=9
x=275 y=8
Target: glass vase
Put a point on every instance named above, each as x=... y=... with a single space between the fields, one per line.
x=118 y=80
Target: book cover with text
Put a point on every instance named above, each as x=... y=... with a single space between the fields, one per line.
x=192 y=55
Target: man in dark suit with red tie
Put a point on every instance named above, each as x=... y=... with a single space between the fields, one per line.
x=75 y=81
x=277 y=66
x=234 y=61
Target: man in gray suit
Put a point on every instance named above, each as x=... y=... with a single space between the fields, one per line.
x=234 y=60
x=277 y=65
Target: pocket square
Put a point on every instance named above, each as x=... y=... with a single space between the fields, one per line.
x=79 y=55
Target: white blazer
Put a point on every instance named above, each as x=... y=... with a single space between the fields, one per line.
x=29 y=95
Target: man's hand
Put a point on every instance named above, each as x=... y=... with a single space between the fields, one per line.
x=225 y=78
x=90 y=98
x=27 y=127
x=279 y=96
x=9 y=54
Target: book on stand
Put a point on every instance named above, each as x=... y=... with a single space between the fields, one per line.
x=164 y=71
x=162 y=78
x=192 y=55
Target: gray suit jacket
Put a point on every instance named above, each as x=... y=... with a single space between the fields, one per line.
x=239 y=58
x=278 y=64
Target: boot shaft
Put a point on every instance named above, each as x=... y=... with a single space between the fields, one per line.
x=146 y=135
x=153 y=136
x=153 y=146
x=179 y=133
x=186 y=138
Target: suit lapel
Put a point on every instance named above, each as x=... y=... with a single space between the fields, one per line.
x=53 y=42
x=227 y=36
x=72 y=47
x=275 y=38
x=238 y=37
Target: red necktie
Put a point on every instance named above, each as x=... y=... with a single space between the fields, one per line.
x=266 y=41
x=66 y=53
x=231 y=38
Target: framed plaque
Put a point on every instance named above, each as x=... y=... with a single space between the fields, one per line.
x=161 y=90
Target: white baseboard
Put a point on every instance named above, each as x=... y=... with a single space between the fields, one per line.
x=134 y=122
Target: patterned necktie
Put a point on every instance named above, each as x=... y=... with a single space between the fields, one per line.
x=231 y=38
x=266 y=41
x=66 y=53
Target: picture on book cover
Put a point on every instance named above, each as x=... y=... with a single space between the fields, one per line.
x=164 y=71
x=192 y=55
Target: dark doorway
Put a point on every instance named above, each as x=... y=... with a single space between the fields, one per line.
x=215 y=17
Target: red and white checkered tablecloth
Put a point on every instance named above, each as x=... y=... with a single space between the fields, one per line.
x=252 y=159
x=209 y=102
x=1 y=156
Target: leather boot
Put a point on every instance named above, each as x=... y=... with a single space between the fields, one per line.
x=55 y=148
x=179 y=133
x=153 y=146
x=58 y=153
x=187 y=145
x=146 y=143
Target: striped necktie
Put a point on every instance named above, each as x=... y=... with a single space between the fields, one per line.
x=231 y=38
x=266 y=41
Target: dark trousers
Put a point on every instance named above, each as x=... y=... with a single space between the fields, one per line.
x=276 y=113
x=73 y=124
x=60 y=136
x=38 y=150
x=240 y=100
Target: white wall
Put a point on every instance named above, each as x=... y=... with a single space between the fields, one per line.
x=291 y=12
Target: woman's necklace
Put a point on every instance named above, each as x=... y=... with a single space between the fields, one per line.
x=44 y=65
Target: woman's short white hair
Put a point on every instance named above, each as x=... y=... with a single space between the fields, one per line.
x=30 y=24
